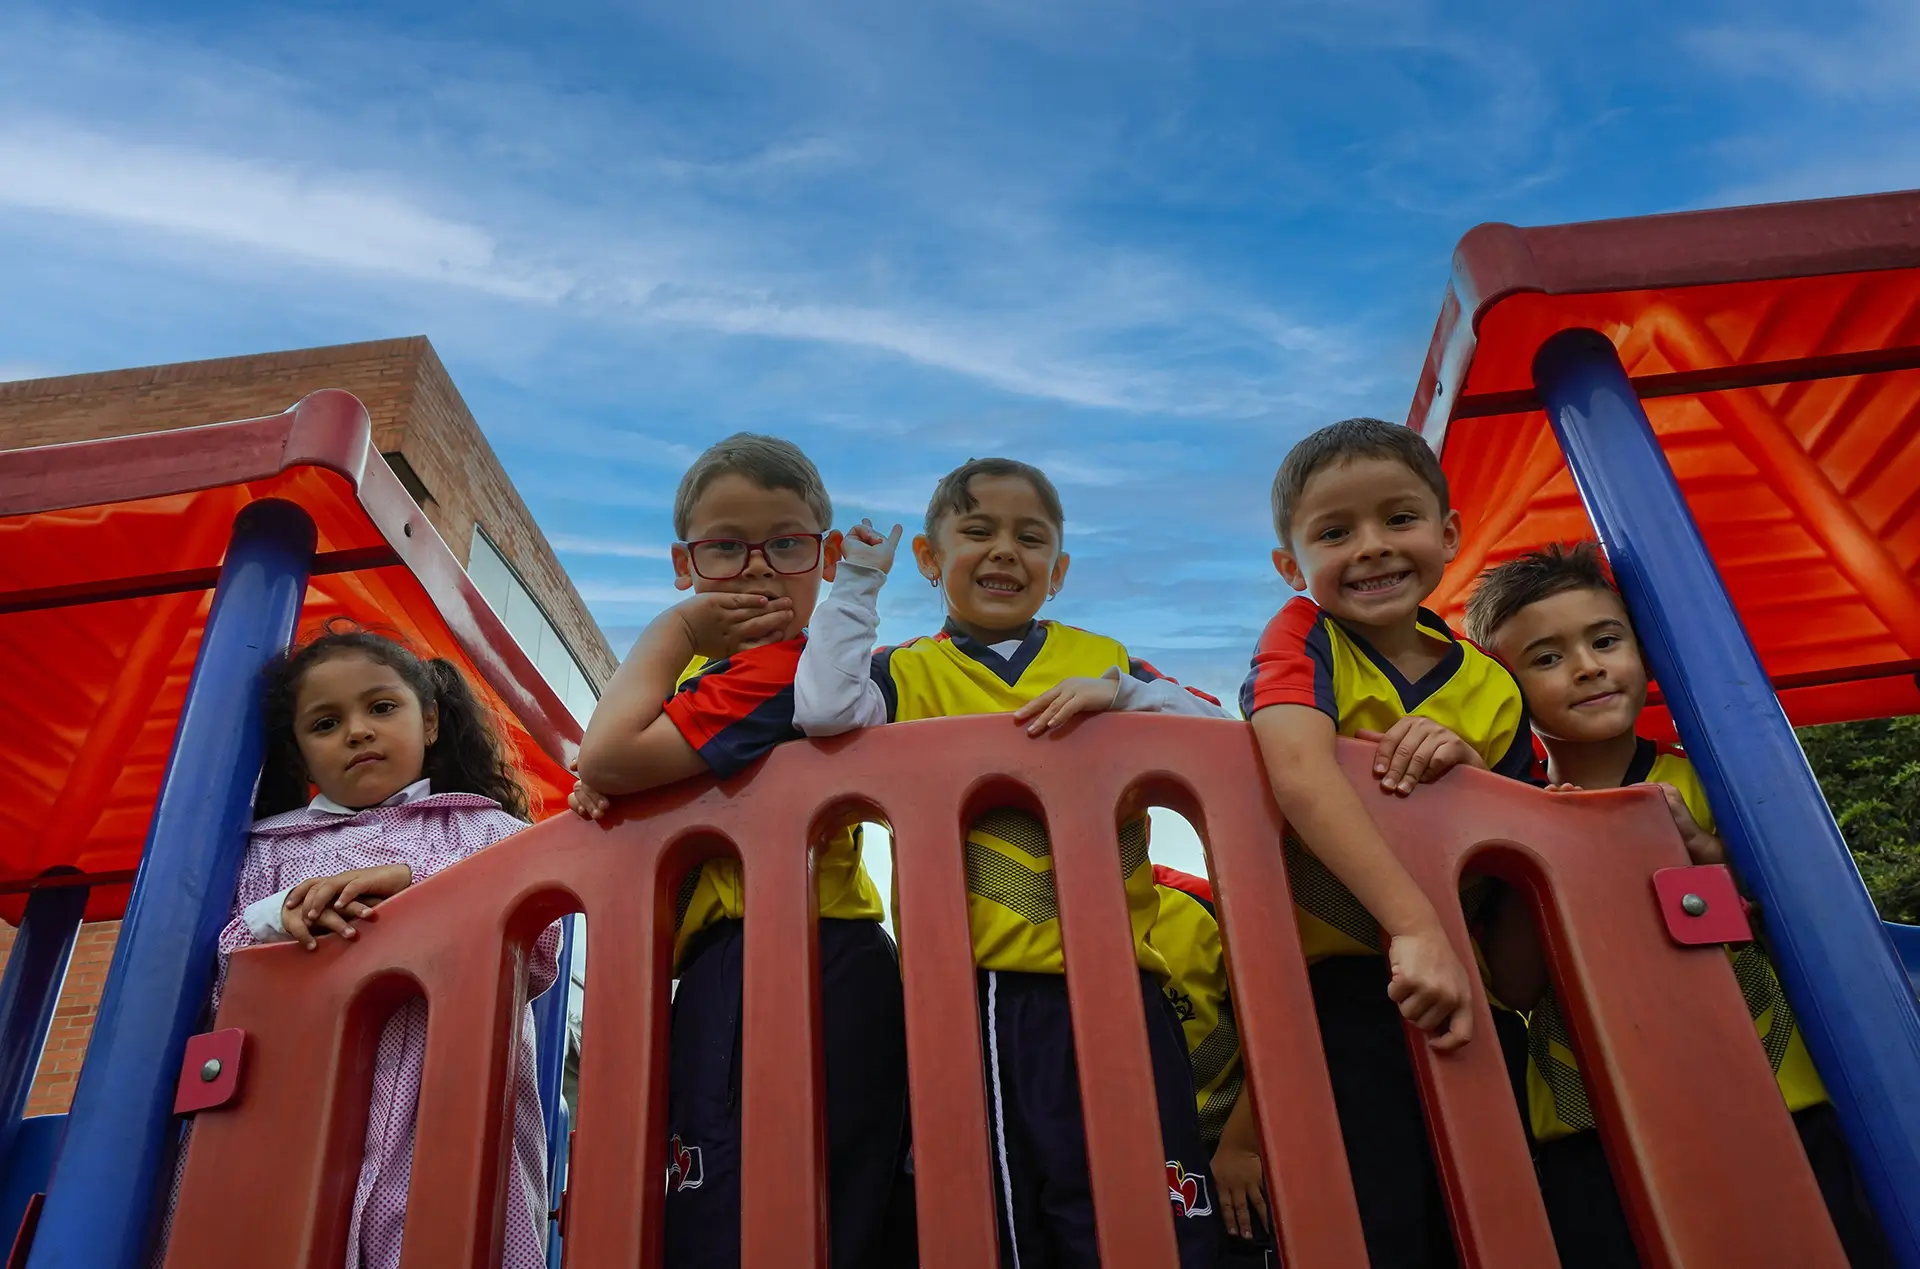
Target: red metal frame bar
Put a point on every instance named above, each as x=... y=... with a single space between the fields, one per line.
x=1723 y=378
x=107 y=589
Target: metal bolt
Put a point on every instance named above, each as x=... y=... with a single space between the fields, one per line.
x=1693 y=905
x=210 y=1070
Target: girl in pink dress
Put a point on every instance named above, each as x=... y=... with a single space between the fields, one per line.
x=412 y=777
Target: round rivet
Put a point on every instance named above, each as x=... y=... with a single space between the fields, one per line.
x=210 y=1071
x=1693 y=905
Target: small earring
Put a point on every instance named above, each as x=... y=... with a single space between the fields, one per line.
x=1052 y=595
x=934 y=581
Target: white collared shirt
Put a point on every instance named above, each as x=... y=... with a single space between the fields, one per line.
x=265 y=917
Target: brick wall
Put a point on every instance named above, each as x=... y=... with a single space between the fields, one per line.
x=73 y=1018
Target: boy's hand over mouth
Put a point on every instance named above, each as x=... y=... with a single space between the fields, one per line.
x=720 y=623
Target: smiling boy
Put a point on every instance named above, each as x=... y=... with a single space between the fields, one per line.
x=1555 y=617
x=1360 y=509
x=709 y=688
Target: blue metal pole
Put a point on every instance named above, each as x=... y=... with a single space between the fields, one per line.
x=101 y=1199
x=550 y=1055
x=550 y=1032
x=28 y=993
x=1855 y=1006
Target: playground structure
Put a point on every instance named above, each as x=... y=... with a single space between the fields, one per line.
x=1761 y=509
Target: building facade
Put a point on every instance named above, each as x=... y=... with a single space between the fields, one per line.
x=433 y=444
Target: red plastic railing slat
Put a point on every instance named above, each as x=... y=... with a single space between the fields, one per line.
x=1711 y=1168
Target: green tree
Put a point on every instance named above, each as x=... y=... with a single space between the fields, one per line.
x=1870 y=773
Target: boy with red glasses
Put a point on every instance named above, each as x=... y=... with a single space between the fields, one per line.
x=708 y=687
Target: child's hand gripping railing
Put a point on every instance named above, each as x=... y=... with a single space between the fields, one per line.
x=1676 y=1074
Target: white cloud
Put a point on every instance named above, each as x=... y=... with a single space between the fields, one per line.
x=1870 y=59
x=325 y=217
x=576 y=544
x=597 y=592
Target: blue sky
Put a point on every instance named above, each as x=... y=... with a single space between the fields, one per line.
x=1143 y=245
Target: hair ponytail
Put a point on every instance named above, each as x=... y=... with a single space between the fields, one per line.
x=467 y=754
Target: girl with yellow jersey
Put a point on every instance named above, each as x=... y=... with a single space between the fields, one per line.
x=992 y=544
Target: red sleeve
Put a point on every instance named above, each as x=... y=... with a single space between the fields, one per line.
x=737 y=709
x=1185 y=882
x=1293 y=664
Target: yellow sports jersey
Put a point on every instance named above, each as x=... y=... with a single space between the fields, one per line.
x=1557 y=1096
x=732 y=712
x=1188 y=936
x=1307 y=658
x=1011 y=904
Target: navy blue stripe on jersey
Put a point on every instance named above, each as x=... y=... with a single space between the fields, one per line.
x=747 y=740
x=1413 y=694
x=1278 y=675
x=882 y=671
x=1007 y=669
x=1518 y=762
x=1644 y=753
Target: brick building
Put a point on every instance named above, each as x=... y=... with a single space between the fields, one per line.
x=433 y=444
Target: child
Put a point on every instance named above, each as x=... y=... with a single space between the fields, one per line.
x=412 y=778
x=709 y=688
x=992 y=543
x=1554 y=616
x=1187 y=934
x=1361 y=512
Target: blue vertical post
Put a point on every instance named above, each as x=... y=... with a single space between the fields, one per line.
x=101 y=1200
x=550 y=1054
x=28 y=993
x=1854 y=1004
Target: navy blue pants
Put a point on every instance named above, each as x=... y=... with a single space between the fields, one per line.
x=863 y=1027
x=1044 y=1189
x=1402 y=1213
x=1590 y=1224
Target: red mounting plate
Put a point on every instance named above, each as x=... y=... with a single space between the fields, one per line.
x=210 y=1071
x=1701 y=905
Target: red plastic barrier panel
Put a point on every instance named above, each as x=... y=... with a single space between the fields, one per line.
x=1711 y=1168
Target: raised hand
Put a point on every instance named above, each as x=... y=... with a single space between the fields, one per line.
x=864 y=546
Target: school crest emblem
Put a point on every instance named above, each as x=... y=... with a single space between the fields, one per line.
x=684 y=1170
x=1188 y=1193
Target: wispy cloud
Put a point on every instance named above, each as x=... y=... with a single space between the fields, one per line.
x=325 y=217
x=575 y=544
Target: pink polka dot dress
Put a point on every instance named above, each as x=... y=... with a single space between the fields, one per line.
x=427 y=832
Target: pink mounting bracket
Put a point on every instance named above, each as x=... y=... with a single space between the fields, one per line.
x=1701 y=905
x=210 y=1071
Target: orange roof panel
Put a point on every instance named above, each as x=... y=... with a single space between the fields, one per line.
x=109 y=551
x=1777 y=350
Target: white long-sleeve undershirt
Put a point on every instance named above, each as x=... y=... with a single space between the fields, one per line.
x=834 y=691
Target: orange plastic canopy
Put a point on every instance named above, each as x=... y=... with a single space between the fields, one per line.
x=109 y=551
x=1777 y=350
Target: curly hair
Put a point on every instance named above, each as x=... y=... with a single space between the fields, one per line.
x=466 y=756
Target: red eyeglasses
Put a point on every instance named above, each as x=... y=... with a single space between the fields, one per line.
x=723 y=559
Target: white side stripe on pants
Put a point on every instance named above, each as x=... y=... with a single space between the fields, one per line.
x=999 y=1110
